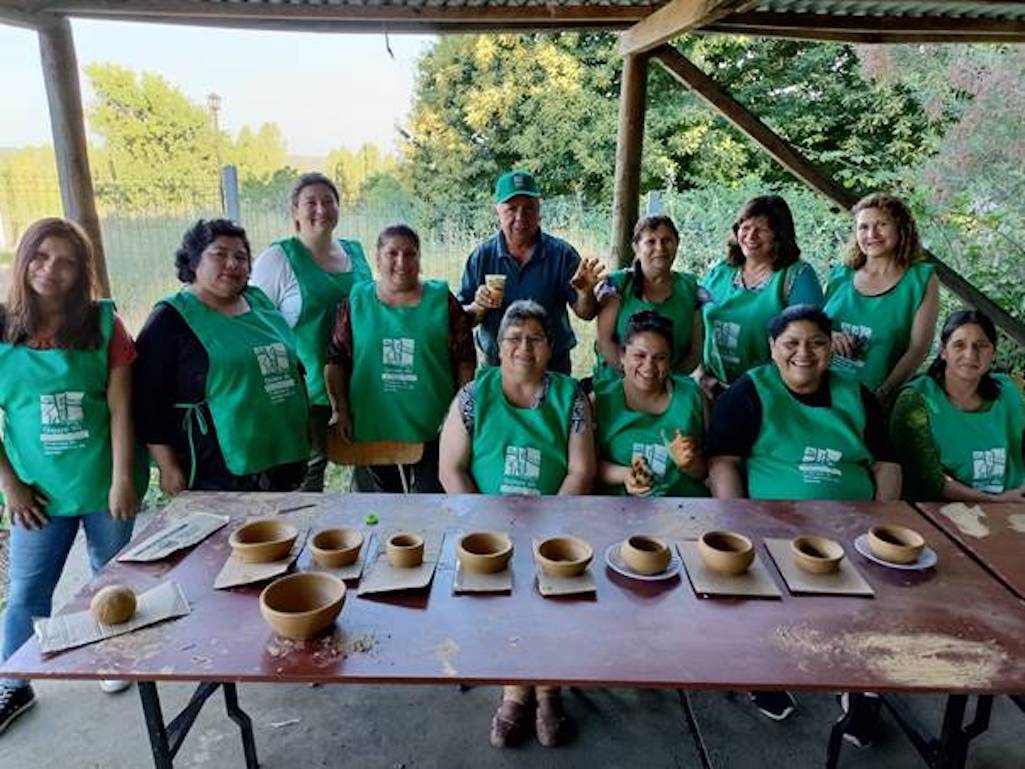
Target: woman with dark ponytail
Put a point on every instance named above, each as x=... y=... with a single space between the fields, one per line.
x=959 y=428
x=650 y=284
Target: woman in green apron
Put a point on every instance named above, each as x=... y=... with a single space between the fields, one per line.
x=519 y=429
x=306 y=277
x=66 y=458
x=884 y=299
x=219 y=398
x=793 y=430
x=650 y=424
x=651 y=284
x=400 y=349
x=959 y=428
x=762 y=273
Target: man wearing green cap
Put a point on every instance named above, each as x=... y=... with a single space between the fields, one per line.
x=522 y=262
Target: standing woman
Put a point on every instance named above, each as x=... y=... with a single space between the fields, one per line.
x=651 y=284
x=959 y=428
x=400 y=350
x=219 y=396
x=66 y=456
x=884 y=299
x=761 y=275
x=306 y=277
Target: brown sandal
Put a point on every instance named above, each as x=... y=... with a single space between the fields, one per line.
x=551 y=722
x=510 y=724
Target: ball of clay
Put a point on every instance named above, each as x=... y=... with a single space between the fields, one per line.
x=113 y=605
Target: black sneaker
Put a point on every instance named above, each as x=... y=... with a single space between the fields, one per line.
x=14 y=702
x=774 y=705
x=861 y=712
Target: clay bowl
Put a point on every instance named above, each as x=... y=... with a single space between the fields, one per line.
x=895 y=544
x=333 y=548
x=484 y=552
x=564 y=556
x=302 y=605
x=405 y=550
x=816 y=555
x=644 y=554
x=263 y=540
x=726 y=552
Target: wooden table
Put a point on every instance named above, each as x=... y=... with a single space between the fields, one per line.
x=951 y=629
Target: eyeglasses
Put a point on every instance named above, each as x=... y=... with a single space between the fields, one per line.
x=515 y=340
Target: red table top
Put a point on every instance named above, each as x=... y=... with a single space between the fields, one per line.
x=1001 y=550
x=952 y=628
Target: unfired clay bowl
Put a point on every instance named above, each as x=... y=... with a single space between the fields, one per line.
x=405 y=550
x=564 y=556
x=302 y=605
x=263 y=540
x=896 y=544
x=726 y=552
x=644 y=554
x=333 y=548
x=484 y=552
x=816 y=555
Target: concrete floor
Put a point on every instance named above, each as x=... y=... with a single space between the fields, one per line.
x=74 y=725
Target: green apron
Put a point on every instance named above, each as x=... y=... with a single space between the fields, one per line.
x=253 y=387
x=520 y=451
x=623 y=433
x=981 y=449
x=880 y=325
x=808 y=452
x=56 y=422
x=401 y=384
x=737 y=321
x=678 y=307
x=321 y=293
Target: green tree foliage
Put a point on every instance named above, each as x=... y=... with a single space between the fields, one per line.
x=350 y=169
x=259 y=154
x=28 y=190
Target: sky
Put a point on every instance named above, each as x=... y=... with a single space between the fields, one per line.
x=323 y=90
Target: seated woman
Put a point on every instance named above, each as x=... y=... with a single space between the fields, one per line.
x=401 y=348
x=651 y=284
x=884 y=299
x=959 y=428
x=792 y=430
x=219 y=395
x=650 y=425
x=519 y=429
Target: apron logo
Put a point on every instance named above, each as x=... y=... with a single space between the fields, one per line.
x=62 y=422
x=655 y=454
x=727 y=339
x=819 y=465
x=522 y=470
x=397 y=357
x=275 y=367
x=988 y=469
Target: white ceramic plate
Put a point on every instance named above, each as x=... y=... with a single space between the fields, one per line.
x=925 y=561
x=615 y=562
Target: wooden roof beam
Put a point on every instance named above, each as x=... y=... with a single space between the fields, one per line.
x=19 y=18
x=674 y=19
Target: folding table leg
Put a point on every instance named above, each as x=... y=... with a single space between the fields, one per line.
x=245 y=725
x=163 y=758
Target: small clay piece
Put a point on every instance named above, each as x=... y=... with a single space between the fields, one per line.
x=405 y=550
x=682 y=448
x=816 y=555
x=263 y=541
x=333 y=548
x=113 y=605
x=640 y=472
x=484 y=552
x=726 y=552
x=564 y=556
x=895 y=544
x=645 y=555
x=302 y=605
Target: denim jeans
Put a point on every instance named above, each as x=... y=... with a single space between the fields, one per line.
x=36 y=561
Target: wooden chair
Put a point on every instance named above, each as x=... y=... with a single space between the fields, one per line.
x=396 y=453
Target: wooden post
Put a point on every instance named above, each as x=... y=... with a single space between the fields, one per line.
x=814 y=176
x=629 y=144
x=60 y=73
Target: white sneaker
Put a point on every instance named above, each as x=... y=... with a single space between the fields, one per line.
x=113 y=686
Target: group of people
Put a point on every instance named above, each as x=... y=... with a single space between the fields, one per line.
x=750 y=382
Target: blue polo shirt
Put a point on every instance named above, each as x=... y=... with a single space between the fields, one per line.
x=544 y=278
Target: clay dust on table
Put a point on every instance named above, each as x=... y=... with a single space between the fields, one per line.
x=324 y=650
x=1017 y=522
x=912 y=659
x=446 y=652
x=970 y=521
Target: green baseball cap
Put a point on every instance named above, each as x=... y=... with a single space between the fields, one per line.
x=514 y=183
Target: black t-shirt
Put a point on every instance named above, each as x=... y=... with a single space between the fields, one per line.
x=737 y=420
